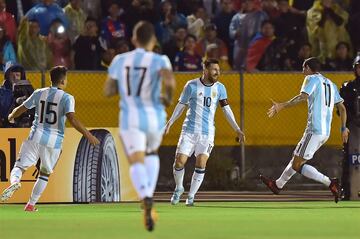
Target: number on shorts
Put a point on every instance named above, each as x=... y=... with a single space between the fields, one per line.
x=209 y=148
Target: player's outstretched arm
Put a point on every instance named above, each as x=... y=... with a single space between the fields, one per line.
x=343 y=117
x=17 y=112
x=231 y=119
x=79 y=127
x=169 y=86
x=179 y=109
x=277 y=107
x=110 y=87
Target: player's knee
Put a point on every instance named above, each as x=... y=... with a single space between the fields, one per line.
x=45 y=174
x=298 y=164
x=179 y=164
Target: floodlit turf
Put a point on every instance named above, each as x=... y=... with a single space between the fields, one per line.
x=206 y=220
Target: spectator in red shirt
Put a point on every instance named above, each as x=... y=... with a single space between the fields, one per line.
x=8 y=21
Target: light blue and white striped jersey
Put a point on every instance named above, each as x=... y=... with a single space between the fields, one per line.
x=323 y=95
x=51 y=106
x=139 y=84
x=202 y=101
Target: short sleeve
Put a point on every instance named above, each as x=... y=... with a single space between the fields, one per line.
x=69 y=104
x=112 y=70
x=308 y=85
x=30 y=103
x=222 y=92
x=185 y=95
x=165 y=63
x=337 y=97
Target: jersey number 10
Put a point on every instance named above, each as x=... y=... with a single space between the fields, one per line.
x=327 y=94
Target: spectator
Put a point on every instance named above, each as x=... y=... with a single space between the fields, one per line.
x=290 y=27
x=271 y=8
x=60 y=45
x=243 y=27
x=87 y=47
x=139 y=10
x=354 y=23
x=76 y=17
x=188 y=60
x=92 y=8
x=326 y=27
x=45 y=13
x=14 y=91
x=301 y=6
x=8 y=22
x=342 y=60
x=222 y=21
x=213 y=51
x=6 y=48
x=196 y=22
x=211 y=38
x=33 y=50
x=176 y=44
x=259 y=44
x=121 y=46
x=112 y=27
x=211 y=7
x=303 y=53
x=170 y=21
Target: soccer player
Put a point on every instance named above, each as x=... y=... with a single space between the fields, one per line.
x=137 y=76
x=202 y=95
x=52 y=106
x=322 y=95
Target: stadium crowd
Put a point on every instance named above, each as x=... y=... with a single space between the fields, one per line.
x=255 y=35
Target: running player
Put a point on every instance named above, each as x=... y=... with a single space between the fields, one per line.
x=51 y=104
x=202 y=95
x=322 y=95
x=137 y=76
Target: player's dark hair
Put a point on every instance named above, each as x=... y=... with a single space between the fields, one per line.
x=313 y=63
x=210 y=61
x=57 y=73
x=144 y=31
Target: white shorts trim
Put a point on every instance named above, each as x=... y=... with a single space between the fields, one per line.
x=195 y=143
x=135 y=140
x=30 y=152
x=309 y=144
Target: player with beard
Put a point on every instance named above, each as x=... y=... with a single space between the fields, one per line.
x=201 y=96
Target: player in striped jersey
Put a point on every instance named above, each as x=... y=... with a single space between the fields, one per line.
x=202 y=96
x=322 y=95
x=137 y=76
x=52 y=106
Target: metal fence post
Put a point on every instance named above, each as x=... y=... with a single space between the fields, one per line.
x=242 y=123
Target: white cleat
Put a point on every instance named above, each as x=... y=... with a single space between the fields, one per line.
x=175 y=198
x=9 y=191
x=189 y=201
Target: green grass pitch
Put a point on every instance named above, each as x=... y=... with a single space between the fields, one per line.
x=206 y=220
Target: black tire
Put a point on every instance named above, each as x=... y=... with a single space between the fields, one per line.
x=96 y=170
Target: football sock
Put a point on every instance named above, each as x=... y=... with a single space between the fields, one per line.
x=197 y=178
x=178 y=177
x=140 y=180
x=38 y=189
x=15 y=175
x=285 y=176
x=152 y=166
x=312 y=173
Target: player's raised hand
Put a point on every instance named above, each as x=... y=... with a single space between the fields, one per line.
x=276 y=107
x=240 y=138
x=345 y=135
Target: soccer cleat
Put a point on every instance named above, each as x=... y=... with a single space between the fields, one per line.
x=175 y=198
x=271 y=184
x=30 y=208
x=335 y=189
x=189 y=201
x=9 y=191
x=150 y=215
